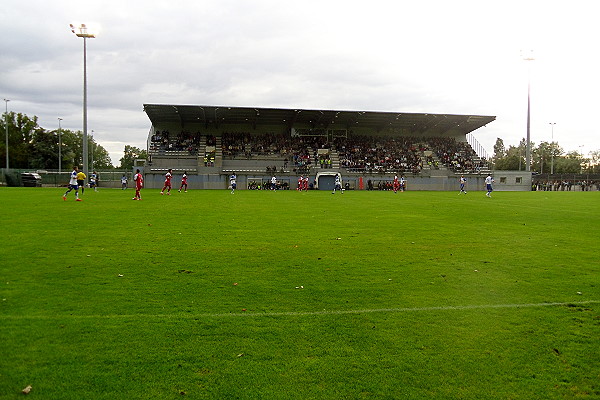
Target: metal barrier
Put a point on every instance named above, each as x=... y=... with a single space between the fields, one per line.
x=52 y=178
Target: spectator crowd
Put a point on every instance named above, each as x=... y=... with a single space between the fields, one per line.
x=565 y=185
x=183 y=141
x=357 y=153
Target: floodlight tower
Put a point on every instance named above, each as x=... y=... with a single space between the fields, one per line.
x=528 y=57
x=552 y=150
x=82 y=32
x=6 y=126
x=59 y=147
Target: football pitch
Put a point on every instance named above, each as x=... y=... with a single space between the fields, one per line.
x=288 y=295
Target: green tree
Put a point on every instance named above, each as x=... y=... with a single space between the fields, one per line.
x=595 y=156
x=499 y=151
x=540 y=158
x=595 y=161
x=21 y=130
x=546 y=155
x=555 y=151
x=571 y=163
x=131 y=154
x=72 y=150
x=99 y=156
x=512 y=161
x=43 y=150
x=512 y=158
x=32 y=147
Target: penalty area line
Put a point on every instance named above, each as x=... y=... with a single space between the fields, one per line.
x=302 y=313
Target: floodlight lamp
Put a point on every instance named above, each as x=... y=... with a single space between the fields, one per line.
x=83 y=31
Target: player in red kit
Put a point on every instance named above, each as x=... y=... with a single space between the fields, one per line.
x=300 y=183
x=396 y=184
x=167 y=186
x=183 y=182
x=139 y=184
x=305 y=183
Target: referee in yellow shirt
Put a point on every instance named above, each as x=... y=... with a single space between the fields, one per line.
x=81 y=180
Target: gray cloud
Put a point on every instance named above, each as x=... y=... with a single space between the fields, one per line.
x=429 y=56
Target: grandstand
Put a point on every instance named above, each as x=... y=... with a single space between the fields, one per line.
x=211 y=142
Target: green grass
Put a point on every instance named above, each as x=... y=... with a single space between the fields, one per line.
x=414 y=295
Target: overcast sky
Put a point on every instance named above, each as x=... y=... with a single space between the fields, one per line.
x=426 y=56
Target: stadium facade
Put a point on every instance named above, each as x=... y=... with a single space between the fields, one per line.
x=367 y=148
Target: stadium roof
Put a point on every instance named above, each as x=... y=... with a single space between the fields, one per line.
x=217 y=116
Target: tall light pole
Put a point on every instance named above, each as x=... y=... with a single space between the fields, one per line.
x=6 y=126
x=552 y=149
x=59 y=148
x=528 y=57
x=82 y=32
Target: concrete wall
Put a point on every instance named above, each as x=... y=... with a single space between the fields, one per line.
x=512 y=180
x=450 y=181
x=216 y=178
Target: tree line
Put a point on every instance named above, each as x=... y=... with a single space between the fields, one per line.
x=546 y=157
x=33 y=147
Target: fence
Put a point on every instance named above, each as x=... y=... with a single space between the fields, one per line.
x=109 y=178
x=477 y=147
x=568 y=182
x=566 y=177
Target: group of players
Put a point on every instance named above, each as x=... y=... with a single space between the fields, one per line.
x=488 y=185
x=139 y=183
x=399 y=184
x=77 y=180
x=302 y=184
x=167 y=185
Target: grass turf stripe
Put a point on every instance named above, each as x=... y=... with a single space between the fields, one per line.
x=305 y=313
